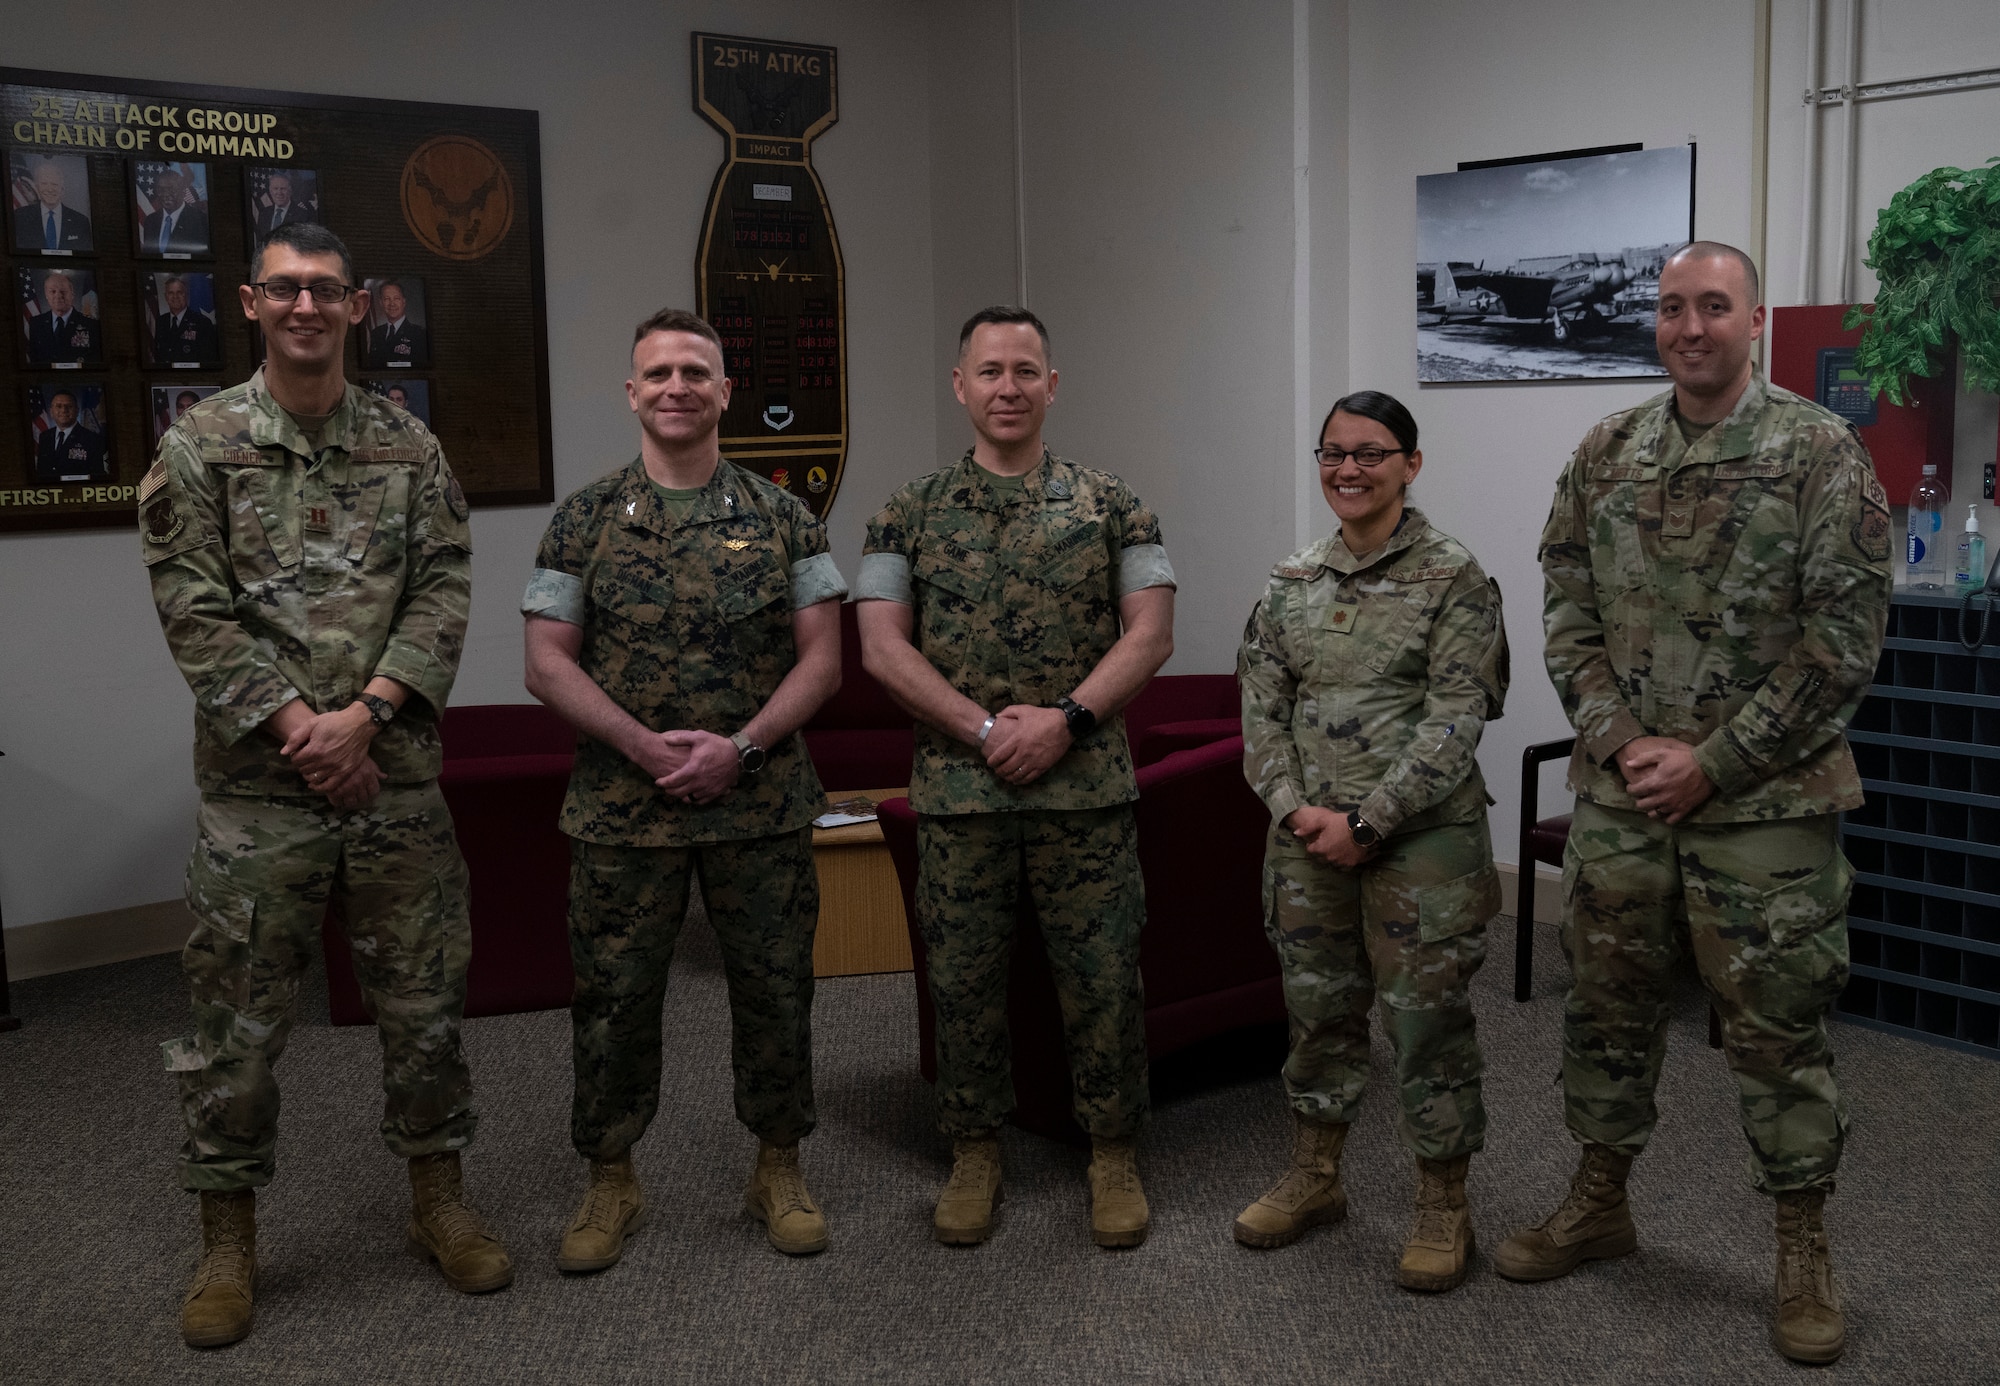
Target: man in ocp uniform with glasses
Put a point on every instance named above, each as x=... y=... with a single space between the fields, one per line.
x=310 y=556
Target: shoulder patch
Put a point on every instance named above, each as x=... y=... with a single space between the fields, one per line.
x=155 y=478
x=162 y=521
x=454 y=497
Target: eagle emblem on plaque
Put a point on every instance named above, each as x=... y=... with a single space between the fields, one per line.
x=768 y=274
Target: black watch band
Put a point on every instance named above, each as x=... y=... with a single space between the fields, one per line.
x=1361 y=830
x=380 y=710
x=1082 y=721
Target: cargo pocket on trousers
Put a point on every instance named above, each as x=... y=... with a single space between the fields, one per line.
x=1806 y=921
x=218 y=953
x=1458 y=906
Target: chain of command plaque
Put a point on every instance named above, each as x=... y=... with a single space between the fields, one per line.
x=768 y=276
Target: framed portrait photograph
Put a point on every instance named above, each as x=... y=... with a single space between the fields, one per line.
x=274 y=197
x=1548 y=268
x=59 y=317
x=69 y=433
x=169 y=402
x=398 y=335
x=170 y=209
x=50 y=202
x=405 y=393
x=178 y=329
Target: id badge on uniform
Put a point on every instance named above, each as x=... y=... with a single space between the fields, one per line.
x=1341 y=616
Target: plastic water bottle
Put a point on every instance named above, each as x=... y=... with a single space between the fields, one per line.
x=1924 y=555
x=1969 y=574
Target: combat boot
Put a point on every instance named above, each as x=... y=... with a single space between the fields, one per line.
x=1118 y=1214
x=777 y=1198
x=613 y=1209
x=444 y=1228
x=217 y=1309
x=1594 y=1223
x=964 y=1214
x=1308 y=1196
x=1439 y=1248
x=1809 y=1326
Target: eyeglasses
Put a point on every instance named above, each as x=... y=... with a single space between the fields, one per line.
x=1363 y=457
x=284 y=290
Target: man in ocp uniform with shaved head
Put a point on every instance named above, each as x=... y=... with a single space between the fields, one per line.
x=1717 y=578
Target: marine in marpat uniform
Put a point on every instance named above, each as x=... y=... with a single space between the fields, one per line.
x=684 y=616
x=1014 y=602
x=310 y=556
x=1368 y=671
x=1717 y=586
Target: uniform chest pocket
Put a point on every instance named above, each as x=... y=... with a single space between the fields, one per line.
x=1753 y=558
x=264 y=521
x=1622 y=499
x=1073 y=556
x=1392 y=624
x=964 y=573
x=638 y=601
x=751 y=588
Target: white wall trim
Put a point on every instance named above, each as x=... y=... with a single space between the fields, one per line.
x=92 y=940
x=1548 y=891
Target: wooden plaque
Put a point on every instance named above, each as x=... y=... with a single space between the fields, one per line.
x=768 y=275
x=446 y=199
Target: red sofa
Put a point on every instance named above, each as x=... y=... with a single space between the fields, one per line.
x=1206 y=964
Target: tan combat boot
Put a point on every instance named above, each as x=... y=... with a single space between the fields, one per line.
x=1594 y=1223
x=1308 y=1196
x=1809 y=1326
x=217 y=1309
x=777 y=1198
x=1439 y=1248
x=964 y=1214
x=1118 y=1214
x=613 y=1209
x=444 y=1228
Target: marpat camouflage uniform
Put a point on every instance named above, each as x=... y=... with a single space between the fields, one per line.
x=1016 y=592
x=1730 y=593
x=687 y=624
x=282 y=573
x=1366 y=686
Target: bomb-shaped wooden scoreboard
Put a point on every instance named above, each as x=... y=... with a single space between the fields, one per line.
x=769 y=275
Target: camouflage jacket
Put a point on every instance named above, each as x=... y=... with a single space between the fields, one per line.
x=1730 y=593
x=1016 y=595
x=281 y=573
x=686 y=625
x=1366 y=685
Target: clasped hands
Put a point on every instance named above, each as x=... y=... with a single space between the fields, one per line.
x=696 y=767
x=1663 y=777
x=330 y=749
x=1325 y=833
x=1025 y=742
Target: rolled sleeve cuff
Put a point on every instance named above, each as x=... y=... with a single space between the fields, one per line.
x=1283 y=798
x=419 y=670
x=885 y=577
x=233 y=721
x=1381 y=812
x=1144 y=565
x=1724 y=765
x=559 y=596
x=1619 y=729
x=816 y=580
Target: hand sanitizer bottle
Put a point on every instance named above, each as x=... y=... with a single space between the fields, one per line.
x=1969 y=574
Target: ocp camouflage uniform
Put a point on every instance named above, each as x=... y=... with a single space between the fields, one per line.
x=687 y=624
x=285 y=572
x=1730 y=593
x=1016 y=585
x=1366 y=686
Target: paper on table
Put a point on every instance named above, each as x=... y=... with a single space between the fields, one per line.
x=845 y=812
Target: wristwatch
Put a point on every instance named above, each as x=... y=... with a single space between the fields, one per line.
x=750 y=756
x=1082 y=721
x=380 y=710
x=1358 y=827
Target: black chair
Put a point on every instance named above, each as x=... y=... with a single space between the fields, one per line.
x=1543 y=839
x=8 y=1021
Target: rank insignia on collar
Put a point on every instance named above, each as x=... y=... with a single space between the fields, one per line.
x=736 y=545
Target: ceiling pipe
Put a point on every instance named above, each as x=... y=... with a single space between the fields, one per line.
x=1809 y=219
x=1850 y=96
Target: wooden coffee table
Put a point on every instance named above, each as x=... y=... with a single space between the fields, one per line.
x=861 y=919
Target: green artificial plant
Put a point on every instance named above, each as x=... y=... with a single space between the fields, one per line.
x=1936 y=254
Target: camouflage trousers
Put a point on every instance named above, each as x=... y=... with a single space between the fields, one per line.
x=1082 y=872
x=626 y=907
x=262 y=873
x=1407 y=931
x=1763 y=907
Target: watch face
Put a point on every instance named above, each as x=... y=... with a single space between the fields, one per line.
x=752 y=759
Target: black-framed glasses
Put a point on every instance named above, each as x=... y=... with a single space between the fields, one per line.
x=284 y=290
x=1363 y=457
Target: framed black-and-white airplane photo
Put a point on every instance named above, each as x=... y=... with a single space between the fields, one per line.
x=1547 y=268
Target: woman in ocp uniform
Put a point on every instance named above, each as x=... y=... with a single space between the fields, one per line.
x=1368 y=670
